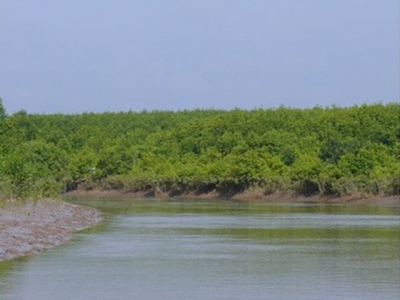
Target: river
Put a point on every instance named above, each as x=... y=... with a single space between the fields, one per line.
x=202 y=249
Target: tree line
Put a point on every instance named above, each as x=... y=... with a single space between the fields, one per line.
x=331 y=151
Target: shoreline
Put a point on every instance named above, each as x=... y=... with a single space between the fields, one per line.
x=246 y=196
x=33 y=227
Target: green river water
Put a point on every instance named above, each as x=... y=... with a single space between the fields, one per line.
x=203 y=249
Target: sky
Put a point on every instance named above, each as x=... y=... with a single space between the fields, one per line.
x=74 y=56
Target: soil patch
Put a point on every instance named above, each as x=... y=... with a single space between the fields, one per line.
x=33 y=227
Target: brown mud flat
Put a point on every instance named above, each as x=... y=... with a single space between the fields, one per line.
x=248 y=196
x=33 y=227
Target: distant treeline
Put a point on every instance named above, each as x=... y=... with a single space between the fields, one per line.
x=309 y=151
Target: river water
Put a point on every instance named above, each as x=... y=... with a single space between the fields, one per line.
x=193 y=249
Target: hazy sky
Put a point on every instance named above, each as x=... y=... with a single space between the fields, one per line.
x=72 y=56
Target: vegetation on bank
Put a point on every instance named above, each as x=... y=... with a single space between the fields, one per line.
x=310 y=151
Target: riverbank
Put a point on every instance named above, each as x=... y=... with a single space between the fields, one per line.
x=248 y=196
x=33 y=227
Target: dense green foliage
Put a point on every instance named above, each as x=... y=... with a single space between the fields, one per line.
x=320 y=150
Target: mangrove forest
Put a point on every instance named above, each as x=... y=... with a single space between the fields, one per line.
x=325 y=151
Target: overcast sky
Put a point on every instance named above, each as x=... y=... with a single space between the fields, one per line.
x=72 y=56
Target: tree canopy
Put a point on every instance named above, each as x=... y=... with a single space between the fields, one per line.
x=310 y=151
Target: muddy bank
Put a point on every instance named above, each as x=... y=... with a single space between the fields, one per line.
x=250 y=196
x=32 y=227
